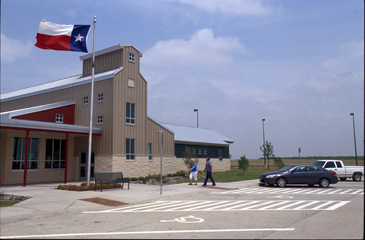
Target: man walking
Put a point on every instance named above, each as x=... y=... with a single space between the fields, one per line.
x=193 y=173
x=209 y=170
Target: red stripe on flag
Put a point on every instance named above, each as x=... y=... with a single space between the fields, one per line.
x=60 y=42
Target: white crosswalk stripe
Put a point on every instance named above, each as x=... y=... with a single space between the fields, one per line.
x=291 y=191
x=236 y=205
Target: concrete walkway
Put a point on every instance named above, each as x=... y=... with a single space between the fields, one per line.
x=46 y=198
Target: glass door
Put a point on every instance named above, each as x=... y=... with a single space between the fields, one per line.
x=83 y=166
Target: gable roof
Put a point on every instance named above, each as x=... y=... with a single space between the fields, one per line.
x=57 y=85
x=107 y=50
x=14 y=113
x=184 y=134
x=47 y=126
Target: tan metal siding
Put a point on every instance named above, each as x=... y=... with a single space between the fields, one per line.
x=168 y=147
x=136 y=95
x=103 y=62
x=82 y=112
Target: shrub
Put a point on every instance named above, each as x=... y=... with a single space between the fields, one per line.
x=134 y=179
x=180 y=174
x=141 y=179
x=243 y=164
x=278 y=162
x=83 y=187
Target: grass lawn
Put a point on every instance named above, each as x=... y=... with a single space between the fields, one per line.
x=232 y=175
x=8 y=203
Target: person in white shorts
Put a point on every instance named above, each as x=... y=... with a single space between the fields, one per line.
x=193 y=173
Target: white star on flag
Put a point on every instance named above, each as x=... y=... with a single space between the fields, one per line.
x=78 y=38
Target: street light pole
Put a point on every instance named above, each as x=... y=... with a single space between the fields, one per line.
x=197 y=117
x=263 y=136
x=353 y=124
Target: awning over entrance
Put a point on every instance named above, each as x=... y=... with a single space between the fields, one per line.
x=28 y=126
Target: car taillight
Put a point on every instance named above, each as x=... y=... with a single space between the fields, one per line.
x=334 y=174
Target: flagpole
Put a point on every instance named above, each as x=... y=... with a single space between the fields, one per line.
x=91 y=109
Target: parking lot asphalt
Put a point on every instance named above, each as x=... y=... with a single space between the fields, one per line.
x=46 y=197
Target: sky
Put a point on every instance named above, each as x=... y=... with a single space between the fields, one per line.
x=297 y=64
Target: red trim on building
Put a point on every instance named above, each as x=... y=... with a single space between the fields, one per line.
x=68 y=113
x=43 y=130
x=66 y=158
x=26 y=159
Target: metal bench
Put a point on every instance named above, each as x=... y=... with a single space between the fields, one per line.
x=109 y=178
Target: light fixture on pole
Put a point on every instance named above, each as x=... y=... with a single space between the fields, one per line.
x=197 y=117
x=263 y=136
x=353 y=124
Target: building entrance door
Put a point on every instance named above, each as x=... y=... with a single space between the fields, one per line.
x=83 y=166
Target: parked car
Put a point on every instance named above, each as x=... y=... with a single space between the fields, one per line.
x=300 y=174
x=343 y=172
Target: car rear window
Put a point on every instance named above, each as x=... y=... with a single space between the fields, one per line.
x=313 y=169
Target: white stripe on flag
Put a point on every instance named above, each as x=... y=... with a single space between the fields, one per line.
x=54 y=29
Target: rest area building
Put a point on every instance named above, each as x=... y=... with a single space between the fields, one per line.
x=51 y=122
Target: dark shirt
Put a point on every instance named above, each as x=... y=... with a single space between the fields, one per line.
x=208 y=166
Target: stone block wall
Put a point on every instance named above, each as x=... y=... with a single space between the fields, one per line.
x=218 y=165
x=140 y=167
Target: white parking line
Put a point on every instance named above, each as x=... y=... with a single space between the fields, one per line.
x=292 y=191
x=289 y=205
x=224 y=205
x=239 y=205
x=171 y=205
x=257 y=205
x=242 y=205
x=322 y=205
x=147 y=232
x=306 y=205
x=274 y=205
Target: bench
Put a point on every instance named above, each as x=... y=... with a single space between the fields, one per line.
x=109 y=178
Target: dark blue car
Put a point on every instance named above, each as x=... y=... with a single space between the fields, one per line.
x=300 y=174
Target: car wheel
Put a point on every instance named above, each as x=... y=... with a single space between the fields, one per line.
x=324 y=182
x=281 y=182
x=356 y=177
x=343 y=178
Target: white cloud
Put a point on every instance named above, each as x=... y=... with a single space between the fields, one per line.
x=201 y=50
x=230 y=7
x=12 y=50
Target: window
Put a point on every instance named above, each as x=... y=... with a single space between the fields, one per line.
x=205 y=151
x=131 y=57
x=220 y=154
x=129 y=148
x=86 y=100
x=339 y=165
x=149 y=151
x=300 y=169
x=55 y=153
x=313 y=169
x=130 y=113
x=59 y=118
x=100 y=97
x=199 y=151
x=18 y=161
x=330 y=165
x=100 y=119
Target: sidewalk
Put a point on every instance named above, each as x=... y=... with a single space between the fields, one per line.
x=46 y=198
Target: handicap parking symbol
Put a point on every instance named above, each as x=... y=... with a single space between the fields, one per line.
x=188 y=219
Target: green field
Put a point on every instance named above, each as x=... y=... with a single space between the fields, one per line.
x=233 y=175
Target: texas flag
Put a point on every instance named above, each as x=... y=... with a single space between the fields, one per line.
x=62 y=37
